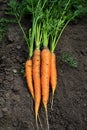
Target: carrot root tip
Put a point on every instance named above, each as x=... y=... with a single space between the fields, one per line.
x=47 y=117
x=40 y=122
x=52 y=100
x=37 y=123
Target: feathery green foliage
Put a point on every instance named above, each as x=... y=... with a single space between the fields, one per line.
x=52 y=15
x=67 y=11
x=3 y=26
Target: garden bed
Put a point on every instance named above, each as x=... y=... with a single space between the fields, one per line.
x=16 y=104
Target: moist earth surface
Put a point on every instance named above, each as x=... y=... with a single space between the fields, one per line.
x=70 y=100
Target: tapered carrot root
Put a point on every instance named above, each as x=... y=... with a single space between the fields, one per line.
x=28 y=74
x=29 y=79
x=53 y=75
x=36 y=79
x=45 y=70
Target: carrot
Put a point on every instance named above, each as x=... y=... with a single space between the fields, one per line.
x=28 y=74
x=29 y=78
x=45 y=69
x=36 y=69
x=36 y=79
x=53 y=75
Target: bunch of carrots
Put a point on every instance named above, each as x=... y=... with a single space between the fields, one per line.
x=40 y=71
x=49 y=20
x=40 y=68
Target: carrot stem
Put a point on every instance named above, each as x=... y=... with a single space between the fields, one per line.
x=57 y=40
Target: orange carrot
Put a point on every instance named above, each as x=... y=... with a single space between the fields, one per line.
x=53 y=75
x=36 y=78
x=45 y=70
x=28 y=74
x=29 y=78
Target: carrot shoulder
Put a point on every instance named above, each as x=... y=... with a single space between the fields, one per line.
x=28 y=74
x=36 y=79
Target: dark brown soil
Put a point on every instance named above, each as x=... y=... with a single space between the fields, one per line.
x=16 y=104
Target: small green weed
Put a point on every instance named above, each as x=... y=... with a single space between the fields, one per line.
x=69 y=59
x=3 y=27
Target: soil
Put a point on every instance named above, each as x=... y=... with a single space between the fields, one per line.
x=70 y=100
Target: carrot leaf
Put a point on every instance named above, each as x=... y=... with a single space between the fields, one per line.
x=67 y=11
